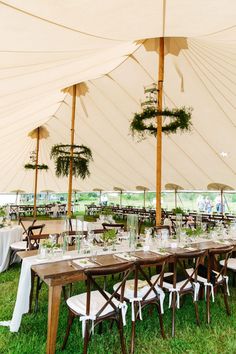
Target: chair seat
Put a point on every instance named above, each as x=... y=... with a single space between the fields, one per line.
x=142 y=290
x=18 y=246
x=169 y=286
x=231 y=263
x=203 y=280
x=200 y=279
x=77 y=303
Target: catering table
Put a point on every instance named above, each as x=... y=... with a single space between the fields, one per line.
x=8 y=235
x=59 y=272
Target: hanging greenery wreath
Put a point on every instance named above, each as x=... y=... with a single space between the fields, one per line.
x=181 y=120
x=30 y=166
x=82 y=156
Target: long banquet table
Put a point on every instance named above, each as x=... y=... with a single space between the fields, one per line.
x=57 y=273
x=8 y=235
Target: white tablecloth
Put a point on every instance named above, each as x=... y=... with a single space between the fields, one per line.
x=8 y=236
x=24 y=286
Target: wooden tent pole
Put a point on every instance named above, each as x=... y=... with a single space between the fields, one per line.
x=121 y=192
x=222 y=201
x=36 y=174
x=175 y=198
x=144 y=199
x=159 y=131
x=72 y=138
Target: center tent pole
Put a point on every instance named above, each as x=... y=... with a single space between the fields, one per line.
x=159 y=131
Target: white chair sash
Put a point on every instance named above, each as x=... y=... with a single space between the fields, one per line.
x=227 y=283
x=123 y=306
x=162 y=298
x=206 y=284
x=196 y=291
x=173 y=290
x=133 y=300
x=85 y=318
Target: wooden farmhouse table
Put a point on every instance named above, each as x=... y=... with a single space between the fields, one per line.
x=61 y=273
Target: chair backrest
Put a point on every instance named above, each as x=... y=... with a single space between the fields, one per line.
x=108 y=226
x=179 y=266
x=21 y=222
x=141 y=265
x=213 y=263
x=93 y=273
x=35 y=229
x=33 y=241
x=158 y=229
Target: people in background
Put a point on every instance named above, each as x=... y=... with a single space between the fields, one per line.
x=218 y=204
x=190 y=222
x=208 y=205
x=104 y=199
x=201 y=203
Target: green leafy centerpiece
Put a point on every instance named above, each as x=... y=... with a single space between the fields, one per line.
x=109 y=237
x=2 y=216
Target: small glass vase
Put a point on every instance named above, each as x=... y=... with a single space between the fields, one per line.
x=132 y=240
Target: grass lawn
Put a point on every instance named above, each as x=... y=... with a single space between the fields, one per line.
x=219 y=337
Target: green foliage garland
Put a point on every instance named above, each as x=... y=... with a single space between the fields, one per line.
x=82 y=155
x=30 y=166
x=181 y=121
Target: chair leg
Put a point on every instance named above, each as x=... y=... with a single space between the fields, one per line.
x=38 y=287
x=100 y=328
x=67 y=292
x=226 y=300
x=121 y=332
x=104 y=283
x=71 y=317
x=196 y=313
x=32 y=290
x=86 y=337
x=132 y=337
x=133 y=329
x=173 y=313
x=208 y=305
x=161 y=322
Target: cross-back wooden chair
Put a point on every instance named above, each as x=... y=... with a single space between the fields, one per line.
x=158 y=229
x=23 y=245
x=214 y=275
x=98 y=305
x=22 y=221
x=182 y=282
x=147 y=291
x=117 y=227
x=33 y=241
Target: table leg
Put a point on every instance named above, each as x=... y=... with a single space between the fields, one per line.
x=54 y=298
x=32 y=290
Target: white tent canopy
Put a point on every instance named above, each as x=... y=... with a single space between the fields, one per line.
x=107 y=48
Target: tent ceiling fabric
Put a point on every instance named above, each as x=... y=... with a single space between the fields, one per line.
x=48 y=46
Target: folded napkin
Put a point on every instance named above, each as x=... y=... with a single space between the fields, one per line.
x=162 y=253
x=84 y=262
x=126 y=256
x=52 y=259
x=190 y=249
x=141 y=284
x=222 y=242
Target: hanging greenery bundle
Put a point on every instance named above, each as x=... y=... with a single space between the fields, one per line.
x=82 y=156
x=32 y=165
x=180 y=120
